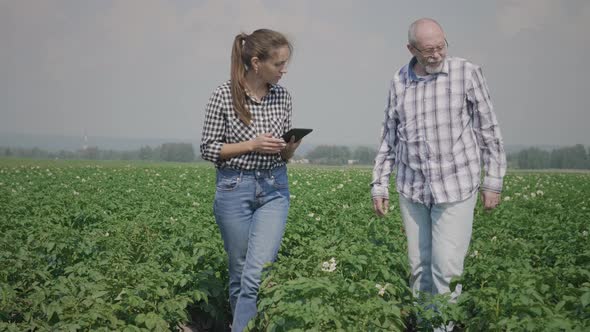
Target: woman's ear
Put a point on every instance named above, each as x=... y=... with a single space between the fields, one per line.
x=254 y=63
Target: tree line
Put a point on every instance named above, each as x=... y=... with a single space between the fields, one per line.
x=341 y=155
x=178 y=152
x=571 y=157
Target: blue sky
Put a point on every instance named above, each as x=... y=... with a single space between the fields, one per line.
x=145 y=68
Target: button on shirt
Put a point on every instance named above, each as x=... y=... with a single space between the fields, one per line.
x=437 y=132
x=222 y=125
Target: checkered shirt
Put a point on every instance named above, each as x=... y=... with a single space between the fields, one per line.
x=436 y=133
x=222 y=125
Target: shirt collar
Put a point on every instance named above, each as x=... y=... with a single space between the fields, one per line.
x=411 y=75
x=273 y=88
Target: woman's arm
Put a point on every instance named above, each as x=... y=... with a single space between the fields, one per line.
x=265 y=144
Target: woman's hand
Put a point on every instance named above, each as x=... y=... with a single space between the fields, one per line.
x=290 y=148
x=267 y=144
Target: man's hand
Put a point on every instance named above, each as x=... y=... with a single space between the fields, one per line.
x=490 y=199
x=380 y=206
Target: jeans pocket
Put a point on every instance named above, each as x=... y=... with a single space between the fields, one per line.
x=280 y=180
x=228 y=183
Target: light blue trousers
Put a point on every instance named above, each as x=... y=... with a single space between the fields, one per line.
x=438 y=239
x=251 y=210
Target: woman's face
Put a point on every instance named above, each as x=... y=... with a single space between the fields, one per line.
x=272 y=69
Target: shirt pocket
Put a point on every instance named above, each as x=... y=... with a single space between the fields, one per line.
x=411 y=145
x=457 y=99
x=271 y=119
x=238 y=131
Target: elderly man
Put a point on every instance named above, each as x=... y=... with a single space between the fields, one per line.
x=439 y=129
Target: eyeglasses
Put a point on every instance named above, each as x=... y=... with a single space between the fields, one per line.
x=431 y=51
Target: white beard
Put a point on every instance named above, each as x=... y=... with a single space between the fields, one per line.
x=434 y=70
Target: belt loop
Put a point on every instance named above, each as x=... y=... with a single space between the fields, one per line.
x=241 y=175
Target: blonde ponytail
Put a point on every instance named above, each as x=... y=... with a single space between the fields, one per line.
x=238 y=77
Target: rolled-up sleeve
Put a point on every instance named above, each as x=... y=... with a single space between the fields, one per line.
x=288 y=123
x=213 y=135
x=487 y=132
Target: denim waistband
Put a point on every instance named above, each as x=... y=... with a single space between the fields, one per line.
x=258 y=173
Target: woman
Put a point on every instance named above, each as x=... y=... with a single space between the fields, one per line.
x=244 y=121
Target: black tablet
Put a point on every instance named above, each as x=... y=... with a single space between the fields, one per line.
x=299 y=133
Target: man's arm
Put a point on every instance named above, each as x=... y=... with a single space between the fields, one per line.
x=489 y=138
x=384 y=162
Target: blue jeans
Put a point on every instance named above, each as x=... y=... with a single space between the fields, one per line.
x=251 y=211
x=438 y=239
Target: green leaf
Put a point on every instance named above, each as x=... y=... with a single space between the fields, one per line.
x=99 y=294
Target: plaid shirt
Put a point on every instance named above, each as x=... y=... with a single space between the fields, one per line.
x=436 y=133
x=222 y=125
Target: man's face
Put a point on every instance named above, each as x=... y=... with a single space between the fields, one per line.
x=430 y=50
